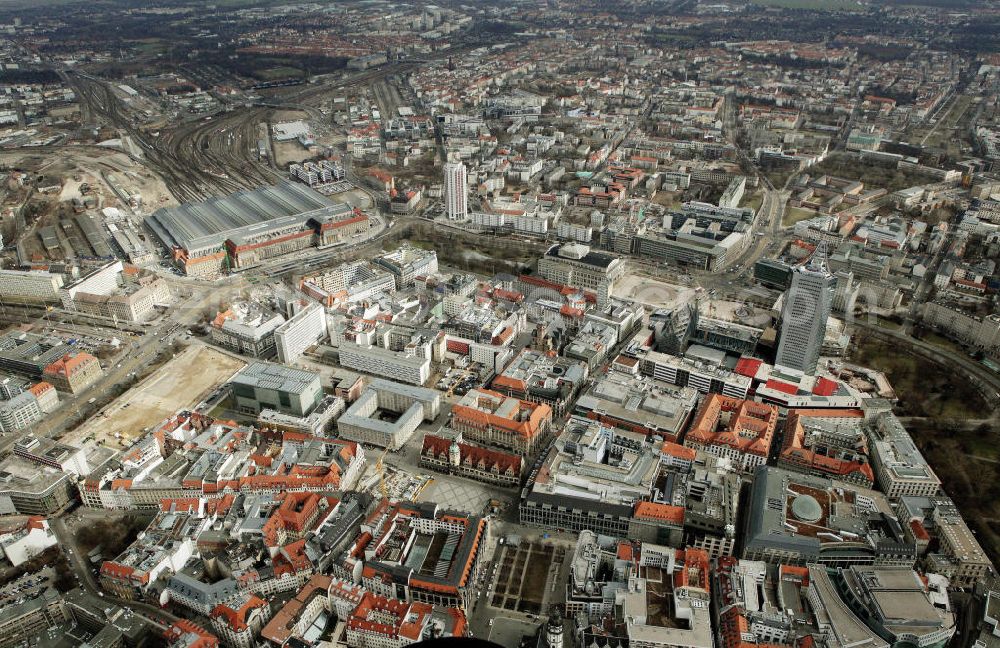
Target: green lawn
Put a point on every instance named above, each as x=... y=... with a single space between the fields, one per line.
x=882 y=322
x=151 y=46
x=753 y=201
x=922 y=390
x=941 y=341
x=793 y=215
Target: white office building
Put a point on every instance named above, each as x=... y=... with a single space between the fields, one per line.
x=456 y=190
x=304 y=329
x=397 y=365
x=363 y=421
x=804 y=315
x=32 y=286
x=19 y=412
x=103 y=281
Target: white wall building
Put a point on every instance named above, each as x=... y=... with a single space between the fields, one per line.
x=456 y=190
x=397 y=365
x=33 y=286
x=24 y=544
x=304 y=329
x=103 y=281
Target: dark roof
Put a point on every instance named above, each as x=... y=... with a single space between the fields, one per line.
x=601 y=259
x=566 y=501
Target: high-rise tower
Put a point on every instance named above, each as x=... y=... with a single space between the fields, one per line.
x=456 y=189
x=804 y=315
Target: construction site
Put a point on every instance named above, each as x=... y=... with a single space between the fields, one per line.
x=179 y=384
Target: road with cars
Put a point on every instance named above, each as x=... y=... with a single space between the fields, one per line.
x=77 y=559
x=140 y=352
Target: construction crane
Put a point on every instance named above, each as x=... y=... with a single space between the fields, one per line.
x=380 y=468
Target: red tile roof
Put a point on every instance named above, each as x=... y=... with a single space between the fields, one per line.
x=750 y=428
x=783 y=387
x=200 y=638
x=794 y=450
x=824 y=387
x=236 y=618
x=476 y=455
x=69 y=364
x=657 y=511
x=919 y=532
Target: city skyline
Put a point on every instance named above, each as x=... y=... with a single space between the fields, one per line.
x=645 y=324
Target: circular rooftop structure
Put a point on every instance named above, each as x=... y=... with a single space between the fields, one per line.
x=807 y=509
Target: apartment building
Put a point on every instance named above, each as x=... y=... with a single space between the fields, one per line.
x=313 y=604
x=247 y=328
x=900 y=468
x=25 y=618
x=239 y=621
x=350 y=282
x=28 y=487
x=456 y=190
x=134 y=302
x=20 y=412
x=960 y=557
x=980 y=332
x=188 y=634
x=575 y=264
x=380 y=622
x=683 y=372
x=407 y=263
x=541 y=378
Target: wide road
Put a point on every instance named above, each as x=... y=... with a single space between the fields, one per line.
x=78 y=562
x=141 y=353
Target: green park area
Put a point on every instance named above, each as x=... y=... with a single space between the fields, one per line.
x=953 y=426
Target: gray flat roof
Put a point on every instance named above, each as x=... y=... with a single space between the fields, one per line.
x=266 y=375
x=199 y=225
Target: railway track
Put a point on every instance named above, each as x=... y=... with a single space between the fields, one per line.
x=218 y=155
x=197 y=160
x=184 y=182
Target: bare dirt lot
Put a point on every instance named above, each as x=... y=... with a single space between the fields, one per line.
x=286 y=153
x=179 y=384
